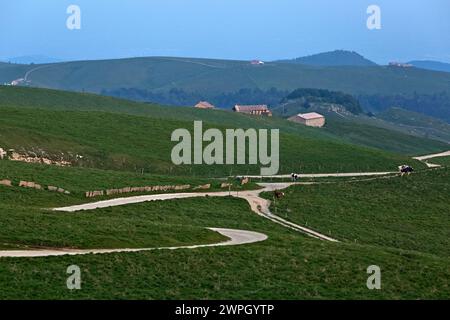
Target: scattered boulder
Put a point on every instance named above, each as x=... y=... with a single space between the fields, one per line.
x=111 y=192
x=56 y=189
x=6 y=183
x=27 y=184
x=91 y=194
x=203 y=187
x=15 y=156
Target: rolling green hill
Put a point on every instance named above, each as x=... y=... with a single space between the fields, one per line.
x=207 y=76
x=134 y=136
x=133 y=143
x=122 y=135
x=431 y=65
x=333 y=58
x=185 y=81
x=410 y=245
x=388 y=139
x=417 y=123
x=10 y=72
x=393 y=130
x=409 y=213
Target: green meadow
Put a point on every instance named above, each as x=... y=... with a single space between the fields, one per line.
x=399 y=224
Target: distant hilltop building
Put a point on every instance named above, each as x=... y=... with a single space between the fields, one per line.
x=204 y=105
x=257 y=62
x=400 y=65
x=257 y=110
x=312 y=119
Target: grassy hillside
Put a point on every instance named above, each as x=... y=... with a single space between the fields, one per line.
x=78 y=180
x=398 y=130
x=399 y=224
x=218 y=76
x=333 y=58
x=10 y=72
x=444 y=161
x=409 y=213
x=134 y=143
x=417 y=123
x=431 y=65
x=386 y=135
x=60 y=100
x=288 y=265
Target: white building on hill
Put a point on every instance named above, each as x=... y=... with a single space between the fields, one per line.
x=312 y=119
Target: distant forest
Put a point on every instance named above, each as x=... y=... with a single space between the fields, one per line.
x=311 y=96
x=178 y=97
x=435 y=105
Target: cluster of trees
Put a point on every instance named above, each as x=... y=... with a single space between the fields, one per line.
x=310 y=96
x=179 y=97
x=436 y=105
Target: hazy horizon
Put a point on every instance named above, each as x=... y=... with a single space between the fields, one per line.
x=229 y=29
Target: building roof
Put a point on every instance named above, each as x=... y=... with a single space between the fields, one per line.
x=310 y=116
x=250 y=108
x=204 y=105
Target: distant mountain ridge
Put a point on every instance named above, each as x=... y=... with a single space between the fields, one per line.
x=35 y=59
x=185 y=81
x=431 y=65
x=333 y=58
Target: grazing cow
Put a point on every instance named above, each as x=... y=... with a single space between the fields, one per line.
x=279 y=194
x=294 y=177
x=405 y=169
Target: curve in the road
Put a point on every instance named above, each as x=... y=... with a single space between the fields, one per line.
x=235 y=237
x=258 y=205
x=425 y=158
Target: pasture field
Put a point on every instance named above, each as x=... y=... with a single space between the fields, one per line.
x=288 y=265
x=354 y=131
x=134 y=143
x=399 y=224
x=409 y=213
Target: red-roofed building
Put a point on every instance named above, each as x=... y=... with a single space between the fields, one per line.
x=312 y=119
x=257 y=62
x=257 y=110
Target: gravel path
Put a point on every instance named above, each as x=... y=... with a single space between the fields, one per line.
x=326 y=175
x=258 y=205
x=236 y=237
x=431 y=156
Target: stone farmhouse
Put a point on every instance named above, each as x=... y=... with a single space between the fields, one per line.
x=312 y=119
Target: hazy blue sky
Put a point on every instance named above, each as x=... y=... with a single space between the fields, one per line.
x=236 y=29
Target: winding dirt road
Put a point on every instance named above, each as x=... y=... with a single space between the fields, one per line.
x=236 y=237
x=258 y=205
